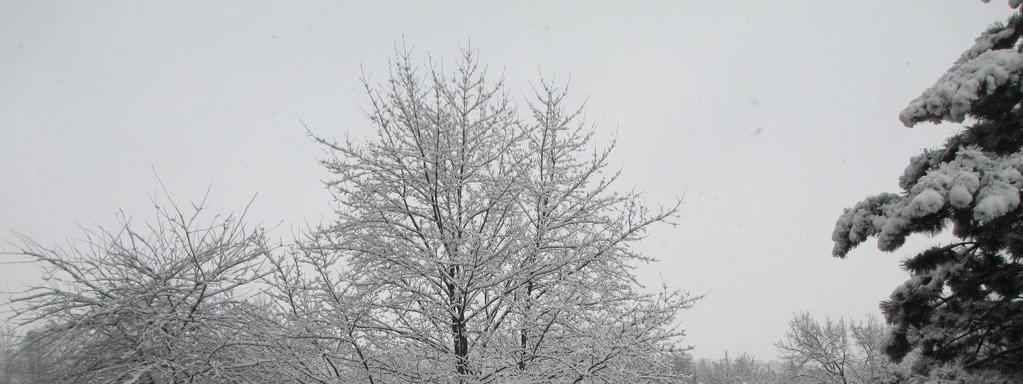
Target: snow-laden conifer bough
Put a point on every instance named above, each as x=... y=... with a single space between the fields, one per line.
x=961 y=313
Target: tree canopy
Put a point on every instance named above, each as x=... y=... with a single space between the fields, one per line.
x=487 y=246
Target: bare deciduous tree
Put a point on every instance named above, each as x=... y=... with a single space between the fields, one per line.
x=835 y=351
x=158 y=303
x=743 y=369
x=476 y=246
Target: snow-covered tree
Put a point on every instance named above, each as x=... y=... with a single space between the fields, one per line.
x=8 y=368
x=476 y=245
x=25 y=362
x=161 y=302
x=835 y=351
x=962 y=310
x=742 y=369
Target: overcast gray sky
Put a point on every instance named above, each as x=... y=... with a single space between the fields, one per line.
x=772 y=116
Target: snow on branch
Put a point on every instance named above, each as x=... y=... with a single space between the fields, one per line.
x=862 y=221
x=960 y=89
x=1012 y=3
x=984 y=185
x=998 y=36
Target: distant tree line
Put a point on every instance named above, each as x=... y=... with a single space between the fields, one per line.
x=813 y=351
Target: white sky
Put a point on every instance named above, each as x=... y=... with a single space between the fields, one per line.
x=773 y=116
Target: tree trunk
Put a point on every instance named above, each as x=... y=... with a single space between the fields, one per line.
x=458 y=330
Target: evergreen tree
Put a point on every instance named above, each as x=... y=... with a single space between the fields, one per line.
x=961 y=311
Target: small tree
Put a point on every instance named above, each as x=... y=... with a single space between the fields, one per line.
x=742 y=369
x=962 y=308
x=473 y=245
x=820 y=352
x=835 y=352
x=164 y=303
